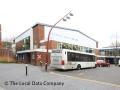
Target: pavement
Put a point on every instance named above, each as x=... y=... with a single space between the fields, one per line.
x=13 y=77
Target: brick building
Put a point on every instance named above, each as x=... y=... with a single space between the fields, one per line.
x=6 y=53
x=0 y=37
x=31 y=45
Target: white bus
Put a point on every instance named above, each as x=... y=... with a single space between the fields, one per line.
x=119 y=62
x=70 y=59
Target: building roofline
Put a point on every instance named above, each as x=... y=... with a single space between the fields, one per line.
x=57 y=27
x=68 y=29
x=22 y=33
x=106 y=48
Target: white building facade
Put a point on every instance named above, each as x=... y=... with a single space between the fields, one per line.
x=31 y=44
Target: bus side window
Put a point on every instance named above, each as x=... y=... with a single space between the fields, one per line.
x=77 y=57
x=73 y=56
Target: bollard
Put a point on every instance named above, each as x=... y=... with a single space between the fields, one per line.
x=46 y=67
x=26 y=68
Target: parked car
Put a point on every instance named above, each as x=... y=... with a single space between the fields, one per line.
x=102 y=63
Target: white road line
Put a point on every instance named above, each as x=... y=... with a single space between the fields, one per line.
x=99 y=82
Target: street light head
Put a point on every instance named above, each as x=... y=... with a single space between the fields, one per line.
x=71 y=14
x=68 y=17
x=64 y=19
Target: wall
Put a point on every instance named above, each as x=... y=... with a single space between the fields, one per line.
x=38 y=35
x=43 y=58
x=71 y=37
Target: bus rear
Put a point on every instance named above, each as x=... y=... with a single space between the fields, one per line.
x=58 y=59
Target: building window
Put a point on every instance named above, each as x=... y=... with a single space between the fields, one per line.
x=80 y=48
x=23 y=44
x=42 y=47
x=27 y=43
x=90 y=50
x=75 y=47
x=83 y=49
x=59 y=45
x=70 y=46
x=102 y=52
x=64 y=46
x=23 y=57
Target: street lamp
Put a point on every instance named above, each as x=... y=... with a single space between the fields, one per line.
x=64 y=18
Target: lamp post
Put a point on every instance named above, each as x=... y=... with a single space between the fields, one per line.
x=63 y=18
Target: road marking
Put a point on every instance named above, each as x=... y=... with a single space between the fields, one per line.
x=80 y=74
x=99 y=82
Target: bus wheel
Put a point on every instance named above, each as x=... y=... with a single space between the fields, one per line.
x=78 y=66
x=95 y=65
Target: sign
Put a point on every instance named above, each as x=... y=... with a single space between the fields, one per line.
x=39 y=56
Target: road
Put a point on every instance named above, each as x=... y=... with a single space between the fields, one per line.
x=12 y=77
x=103 y=74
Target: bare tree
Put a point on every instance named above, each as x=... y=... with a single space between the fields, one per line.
x=115 y=44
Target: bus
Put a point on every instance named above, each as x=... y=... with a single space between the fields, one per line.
x=119 y=62
x=70 y=59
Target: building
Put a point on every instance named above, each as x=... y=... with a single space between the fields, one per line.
x=31 y=45
x=111 y=54
x=7 y=44
x=0 y=37
x=6 y=53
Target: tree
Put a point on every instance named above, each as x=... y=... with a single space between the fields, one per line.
x=115 y=44
x=7 y=43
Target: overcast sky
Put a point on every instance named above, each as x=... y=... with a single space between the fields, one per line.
x=100 y=19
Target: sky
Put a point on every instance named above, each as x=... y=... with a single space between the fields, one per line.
x=99 y=19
